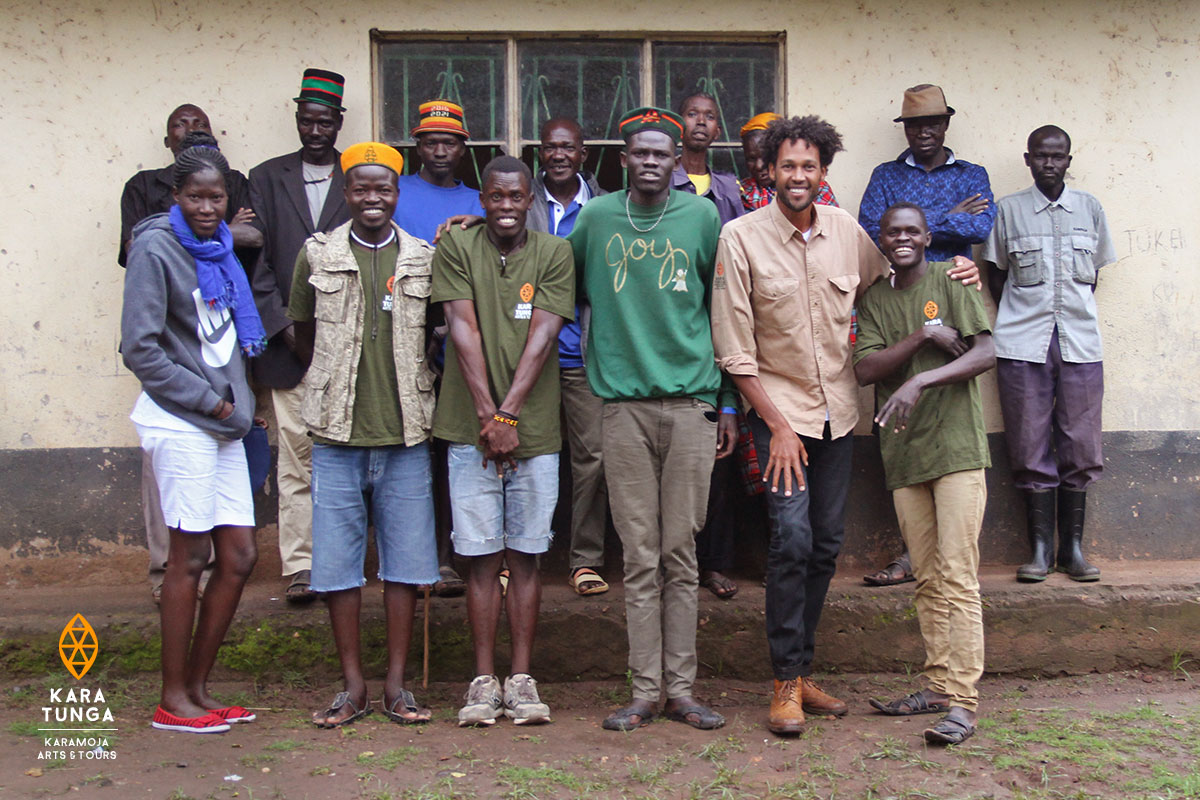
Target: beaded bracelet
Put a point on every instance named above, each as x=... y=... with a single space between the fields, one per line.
x=505 y=420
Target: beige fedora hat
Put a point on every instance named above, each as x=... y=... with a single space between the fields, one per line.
x=924 y=100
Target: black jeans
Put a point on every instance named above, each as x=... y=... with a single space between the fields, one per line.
x=806 y=535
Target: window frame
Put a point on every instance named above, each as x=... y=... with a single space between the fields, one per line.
x=514 y=143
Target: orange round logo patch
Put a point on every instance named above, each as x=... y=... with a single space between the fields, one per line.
x=931 y=309
x=720 y=269
x=391 y=284
x=527 y=293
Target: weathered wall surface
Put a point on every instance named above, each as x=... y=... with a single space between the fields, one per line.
x=88 y=87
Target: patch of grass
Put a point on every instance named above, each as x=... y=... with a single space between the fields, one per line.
x=717 y=751
x=441 y=790
x=23 y=728
x=179 y=794
x=1177 y=665
x=264 y=651
x=318 y=771
x=653 y=774
x=1166 y=783
x=390 y=759
x=725 y=785
x=524 y=783
x=257 y=760
x=284 y=746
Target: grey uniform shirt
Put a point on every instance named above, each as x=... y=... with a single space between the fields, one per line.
x=1051 y=252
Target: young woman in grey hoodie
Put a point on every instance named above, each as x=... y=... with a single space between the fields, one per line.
x=187 y=326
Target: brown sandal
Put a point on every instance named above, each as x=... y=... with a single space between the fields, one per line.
x=897 y=572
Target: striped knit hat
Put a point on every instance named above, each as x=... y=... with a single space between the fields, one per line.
x=440 y=116
x=322 y=86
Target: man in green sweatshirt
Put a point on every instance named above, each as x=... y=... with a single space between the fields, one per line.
x=644 y=258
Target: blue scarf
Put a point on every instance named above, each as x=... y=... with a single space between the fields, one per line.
x=222 y=280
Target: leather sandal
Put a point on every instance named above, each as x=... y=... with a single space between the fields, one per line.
x=950 y=729
x=298 y=591
x=915 y=703
x=409 y=705
x=623 y=718
x=449 y=583
x=897 y=572
x=705 y=718
x=340 y=701
x=586 y=581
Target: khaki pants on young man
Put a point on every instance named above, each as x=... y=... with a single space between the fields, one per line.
x=589 y=494
x=940 y=521
x=658 y=456
x=295 y=481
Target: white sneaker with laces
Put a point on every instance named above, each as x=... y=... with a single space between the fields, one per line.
x=521 y=702
x=483 y=702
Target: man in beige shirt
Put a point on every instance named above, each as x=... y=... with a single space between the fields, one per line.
x=785 y=282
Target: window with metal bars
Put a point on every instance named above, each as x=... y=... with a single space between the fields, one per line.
x=509 y=84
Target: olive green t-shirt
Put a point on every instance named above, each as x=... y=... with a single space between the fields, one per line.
x=377 y=420
x=945 y=432
x=467 y=266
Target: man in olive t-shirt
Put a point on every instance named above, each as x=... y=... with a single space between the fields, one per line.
x=922 y=341
x=505 y=292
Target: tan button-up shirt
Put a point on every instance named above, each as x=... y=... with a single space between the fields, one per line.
x=781 y=310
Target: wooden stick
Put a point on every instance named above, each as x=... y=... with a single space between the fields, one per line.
x=425 y=666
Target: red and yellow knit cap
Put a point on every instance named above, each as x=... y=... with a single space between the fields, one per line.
x=374 y=154
x=440 y=116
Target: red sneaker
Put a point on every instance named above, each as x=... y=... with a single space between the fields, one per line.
x=209 y=723
x=235 y=714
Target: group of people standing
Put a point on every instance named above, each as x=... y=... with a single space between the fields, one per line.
x=410 y=327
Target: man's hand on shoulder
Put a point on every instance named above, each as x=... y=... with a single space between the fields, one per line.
x=965 y=270
x=463 y=221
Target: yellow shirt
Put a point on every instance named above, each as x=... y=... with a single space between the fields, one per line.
x=701 y=182
x=781 y=311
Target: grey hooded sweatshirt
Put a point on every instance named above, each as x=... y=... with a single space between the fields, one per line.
x=185 y=354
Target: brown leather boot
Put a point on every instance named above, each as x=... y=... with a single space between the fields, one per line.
x=820 y=704
x=787 y=713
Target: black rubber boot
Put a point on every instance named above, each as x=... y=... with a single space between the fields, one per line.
x=1070 y=537
x=1039 y=521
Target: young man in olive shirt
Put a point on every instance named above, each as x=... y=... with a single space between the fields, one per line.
x=922 y=341
x=506 y=293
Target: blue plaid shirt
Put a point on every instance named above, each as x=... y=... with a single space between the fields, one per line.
x=936 y=192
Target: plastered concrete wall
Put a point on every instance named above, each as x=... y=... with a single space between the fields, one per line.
x=88 y=87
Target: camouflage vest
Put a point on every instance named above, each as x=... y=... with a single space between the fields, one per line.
x=328 y=403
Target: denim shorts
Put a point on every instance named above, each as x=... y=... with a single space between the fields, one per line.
x=492 y=512
x=395 y=482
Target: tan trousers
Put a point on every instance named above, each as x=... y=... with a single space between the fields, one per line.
x=658 y=456
x=589 y=494
x=295 y=481
x=940 y=521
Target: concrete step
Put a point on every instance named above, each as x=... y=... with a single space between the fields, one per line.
x=1143 y=614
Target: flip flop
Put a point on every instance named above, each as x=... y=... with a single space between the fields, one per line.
x=895 y=573
x=406 y=699
x=450 y=584
x=949 y=730
x=622 y=718
x=340 y=700
x=586 y=581
x=504 y=582
x=706 y=718
x=913 y=704
x=718 y=584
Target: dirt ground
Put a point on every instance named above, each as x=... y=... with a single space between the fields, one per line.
x=1119 y=735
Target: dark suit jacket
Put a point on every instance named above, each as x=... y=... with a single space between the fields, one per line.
x=281 y=210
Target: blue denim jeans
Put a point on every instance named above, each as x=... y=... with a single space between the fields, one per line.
x=806 y=534
x=395 y=482
x=494 y=512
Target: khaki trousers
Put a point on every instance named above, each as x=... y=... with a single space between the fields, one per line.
x=658 y=456
x=589 y=493
x=295 y=481
x=940 y=521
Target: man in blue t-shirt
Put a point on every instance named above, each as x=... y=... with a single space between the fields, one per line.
x=426 y=200
x=433 y=194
